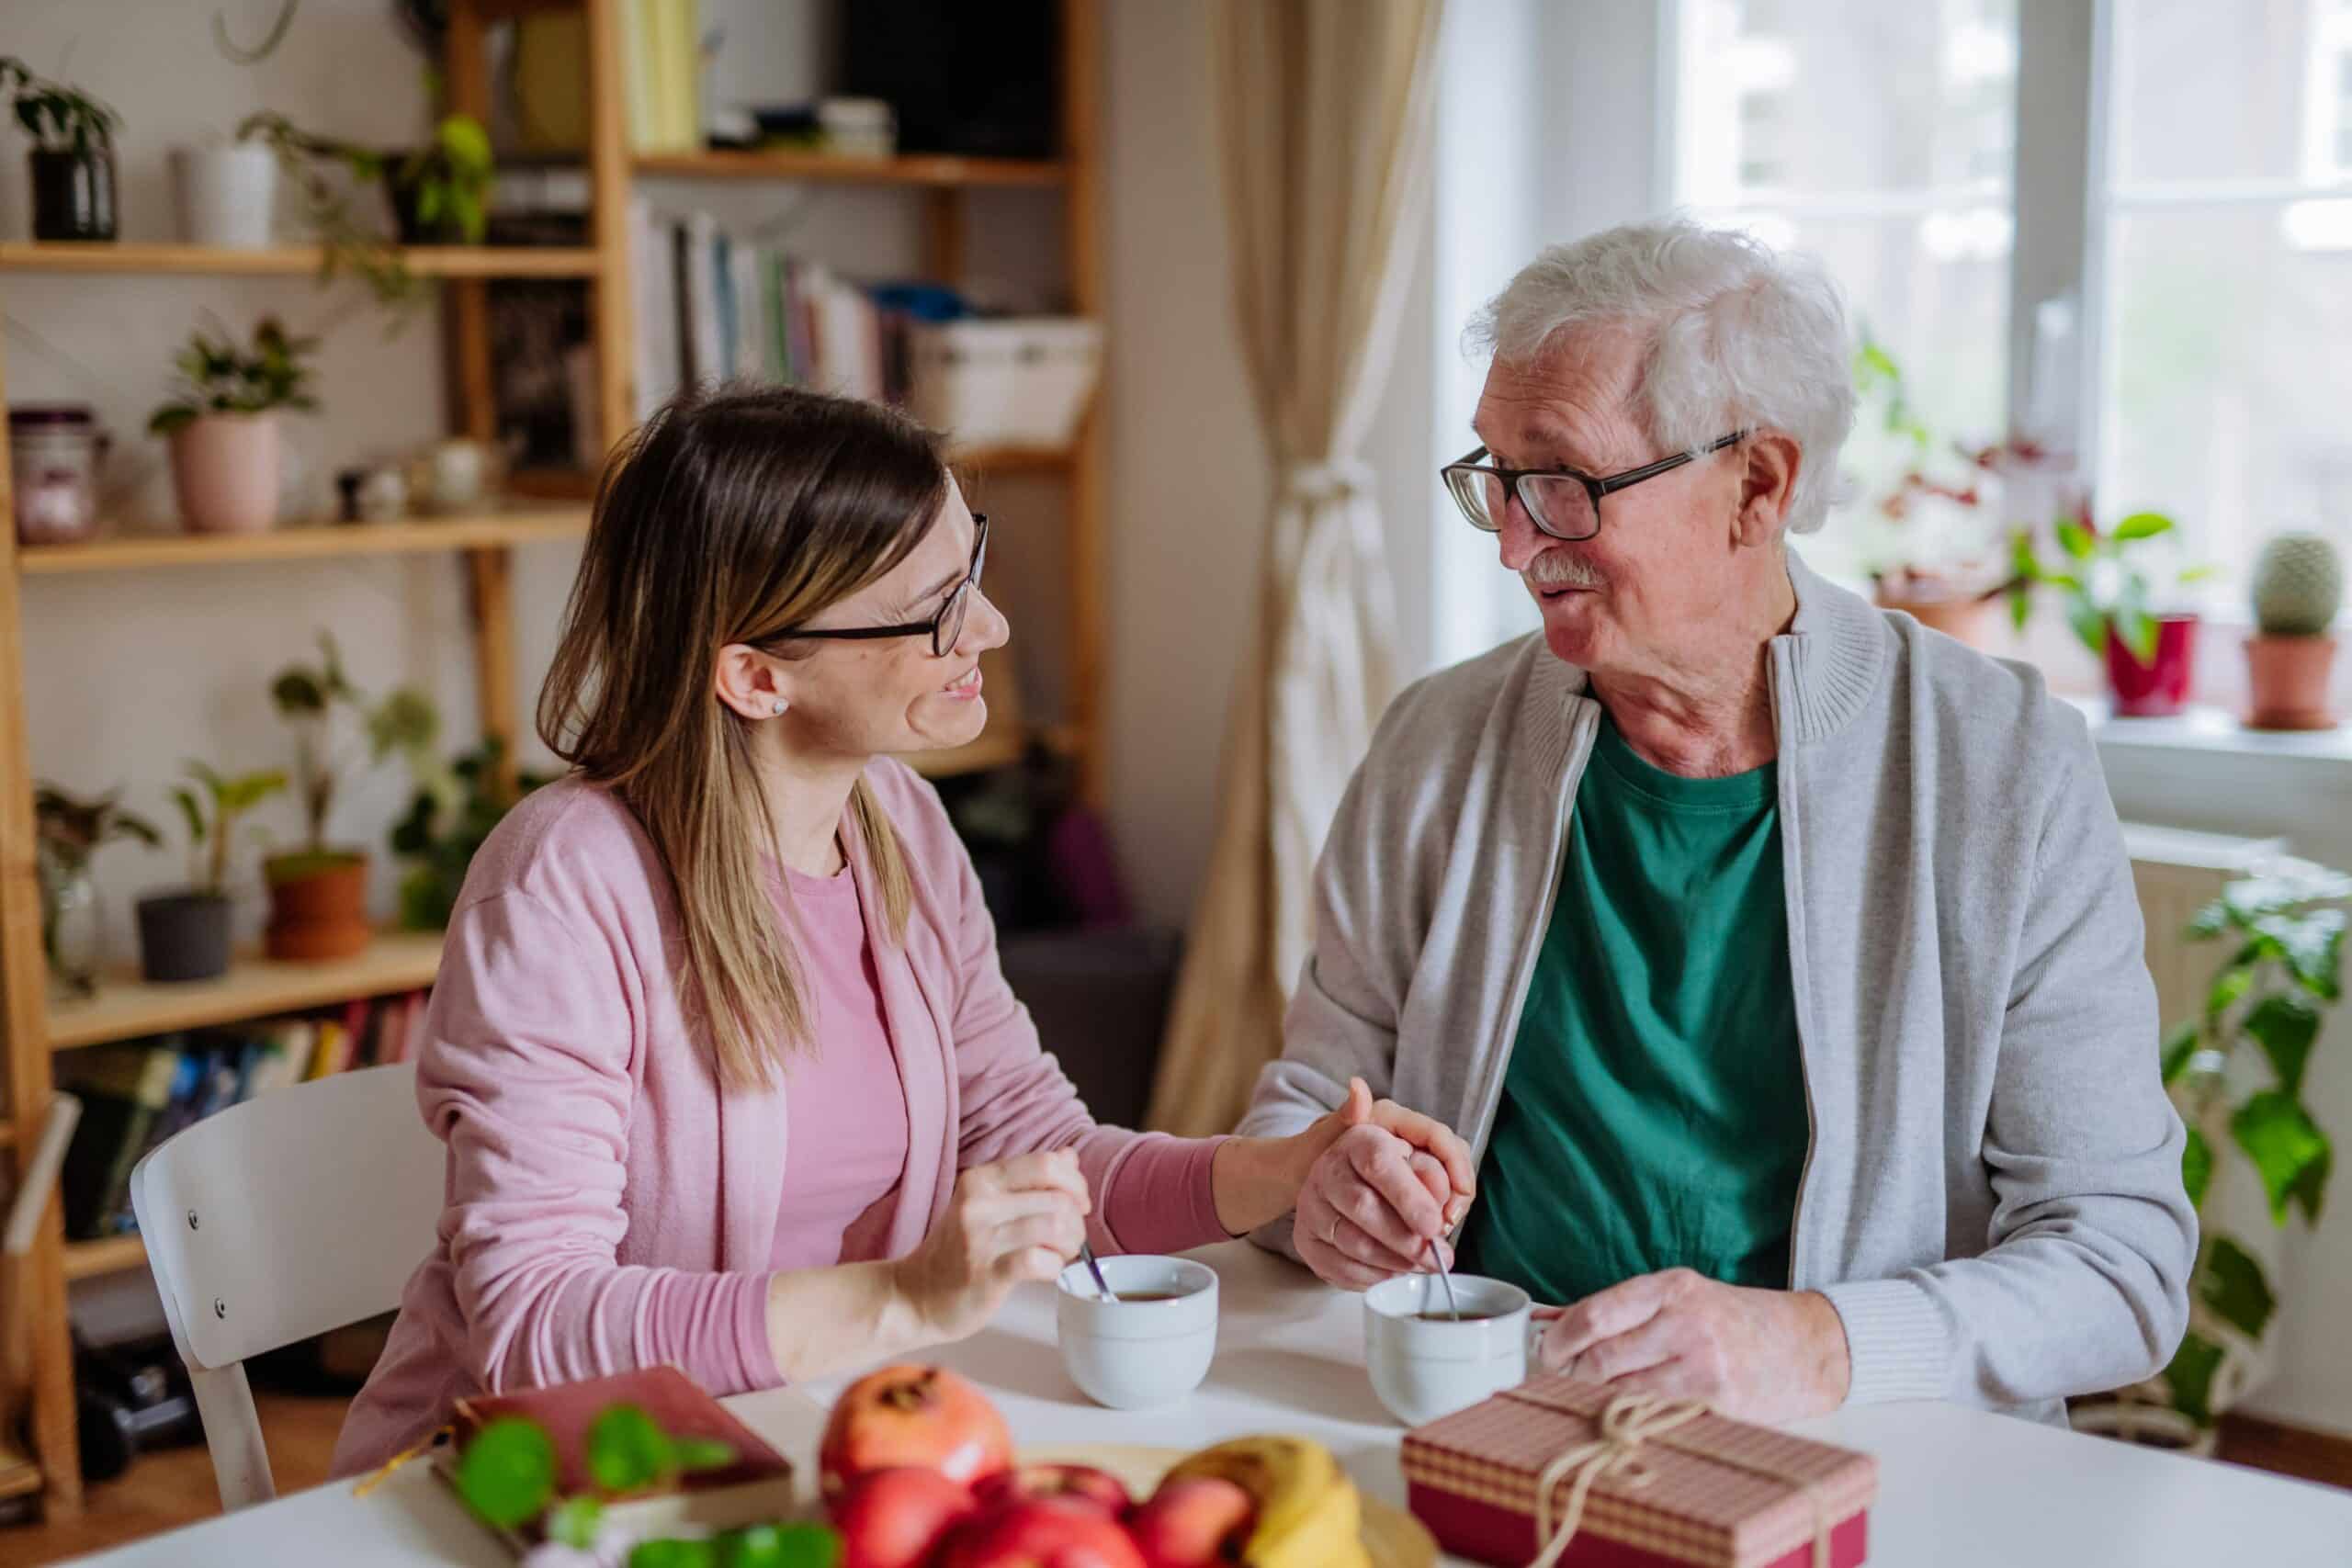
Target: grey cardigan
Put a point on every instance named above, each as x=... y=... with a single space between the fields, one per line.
x=1992 y=1195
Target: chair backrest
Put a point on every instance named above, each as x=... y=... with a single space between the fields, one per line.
x=299 y=1211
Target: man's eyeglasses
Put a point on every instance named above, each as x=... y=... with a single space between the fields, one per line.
x=1562 y=501
x=944 y=628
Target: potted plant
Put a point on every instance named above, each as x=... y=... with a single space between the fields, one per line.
x=224 y=426
x=450 y=815
x=1928 y=558
x=2284 y=928
x=439 y=194
x=184 y=935
x=318 y=894
x=2298 y=586
x=67 y=835
x=72 y=155
x=226 y=195
x=2112 y=607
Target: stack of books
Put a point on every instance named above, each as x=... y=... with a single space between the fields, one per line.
x=712 y=306
x=661 y=66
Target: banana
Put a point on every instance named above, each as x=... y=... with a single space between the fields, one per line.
x=1308 y=1515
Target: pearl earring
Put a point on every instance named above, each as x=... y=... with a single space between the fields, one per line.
x=777 y=707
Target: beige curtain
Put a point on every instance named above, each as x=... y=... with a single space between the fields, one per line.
x=1323 y=109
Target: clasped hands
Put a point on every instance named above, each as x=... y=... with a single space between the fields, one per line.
x=1392 y=1184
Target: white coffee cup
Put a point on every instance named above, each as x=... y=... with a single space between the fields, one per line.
x=1131 y=1354
x=1423 y=1368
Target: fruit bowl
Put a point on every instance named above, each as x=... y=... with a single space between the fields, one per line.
x=1392 y=1538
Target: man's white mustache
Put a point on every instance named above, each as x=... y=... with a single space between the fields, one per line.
x=1559 y=569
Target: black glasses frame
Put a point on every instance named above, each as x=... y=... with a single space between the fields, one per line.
x=944 y=628
x=1595 y=486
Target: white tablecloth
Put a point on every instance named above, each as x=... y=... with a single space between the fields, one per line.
x=1958 y=1488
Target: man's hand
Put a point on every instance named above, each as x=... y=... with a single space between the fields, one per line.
x=1383 y=1190
x=1754 y=1355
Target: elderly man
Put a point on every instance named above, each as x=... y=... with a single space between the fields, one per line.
x=1777 y=958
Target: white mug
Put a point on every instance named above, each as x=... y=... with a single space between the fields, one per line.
x=1424 y=1366
x=1129 y=1354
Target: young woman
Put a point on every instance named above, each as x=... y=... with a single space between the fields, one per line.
x=728 y=1072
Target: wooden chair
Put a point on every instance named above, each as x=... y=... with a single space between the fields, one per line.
x=303 y=1210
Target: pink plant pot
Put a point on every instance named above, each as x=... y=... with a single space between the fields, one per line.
x=2286 y=679
x=224 y=467
x=2158 y=690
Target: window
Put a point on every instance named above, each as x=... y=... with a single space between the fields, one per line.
x=2229 y=271
x=1879 y=138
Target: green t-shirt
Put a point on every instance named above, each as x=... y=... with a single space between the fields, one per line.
x=1654 y=1113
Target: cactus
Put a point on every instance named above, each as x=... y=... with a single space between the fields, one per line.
x=2298 y=583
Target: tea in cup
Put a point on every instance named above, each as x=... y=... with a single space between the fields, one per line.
x=1426 y=1361
x=1151 y=1342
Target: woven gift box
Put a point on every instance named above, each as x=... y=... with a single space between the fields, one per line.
x=1629 y=1482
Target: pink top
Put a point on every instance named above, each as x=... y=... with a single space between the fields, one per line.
x=845 y=1117
x=608 y=1207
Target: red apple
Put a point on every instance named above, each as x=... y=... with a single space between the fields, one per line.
x=894 y=1518
x=1048 y=1532
x=910 y=1414
x=1194 y=1523
x=1078 y=1483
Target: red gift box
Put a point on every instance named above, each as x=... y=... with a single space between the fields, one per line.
x=1643 y=1483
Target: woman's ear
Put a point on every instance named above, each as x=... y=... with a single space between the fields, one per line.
x=1766 y=484
x=749 y=681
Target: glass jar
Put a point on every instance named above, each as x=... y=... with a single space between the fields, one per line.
x=72 y=927
x=53 y=455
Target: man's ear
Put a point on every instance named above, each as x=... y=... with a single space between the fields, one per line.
x=1768 y=483
x=751 y=683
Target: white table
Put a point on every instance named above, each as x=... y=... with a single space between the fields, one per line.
x=1958 y=1488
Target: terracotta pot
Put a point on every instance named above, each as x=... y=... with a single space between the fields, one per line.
x=224 y=467
x=2287 y=681
x=2159 y=690
x=1969 y=620
x=317 y=907
x=183 y=936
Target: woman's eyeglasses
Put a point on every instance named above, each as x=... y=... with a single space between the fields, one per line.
x=944 y=628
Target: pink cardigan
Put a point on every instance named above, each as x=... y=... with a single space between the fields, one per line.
x=608 y=1207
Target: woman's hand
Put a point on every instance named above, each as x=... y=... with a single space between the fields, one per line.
x=1017 y=1220
x=1258 y=1179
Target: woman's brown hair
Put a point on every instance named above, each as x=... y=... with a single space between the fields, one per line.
x=730 y=518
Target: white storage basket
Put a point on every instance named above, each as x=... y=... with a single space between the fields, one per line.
x=1023 y=381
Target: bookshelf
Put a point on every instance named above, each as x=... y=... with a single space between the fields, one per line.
x=208 y=261
x=550 y=505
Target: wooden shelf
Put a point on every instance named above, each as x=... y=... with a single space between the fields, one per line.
x=310 y=541
x=128 y=1008
x=19 y=1477
x=425 y=261
x=115 y=1254
x=911 y=169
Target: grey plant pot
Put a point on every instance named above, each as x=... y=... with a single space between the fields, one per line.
x=183 y=936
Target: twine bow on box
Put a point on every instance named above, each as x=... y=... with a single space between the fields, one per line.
x=1628 y=1423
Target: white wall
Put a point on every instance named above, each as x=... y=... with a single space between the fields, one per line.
x=1189 y=474
x=130 y=673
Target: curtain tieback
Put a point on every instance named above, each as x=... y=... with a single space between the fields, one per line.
x=1334 y=480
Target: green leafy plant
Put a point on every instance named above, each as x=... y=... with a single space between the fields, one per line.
x=445 y=183
x=404 y=721
x=2102 y=580
x=2266 y=1006
x=507 y=1476
x=60 y=119
x=211 y=818
x=454 y=811
x=218 y=376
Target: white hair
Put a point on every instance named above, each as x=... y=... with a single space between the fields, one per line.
x=1739 y=337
